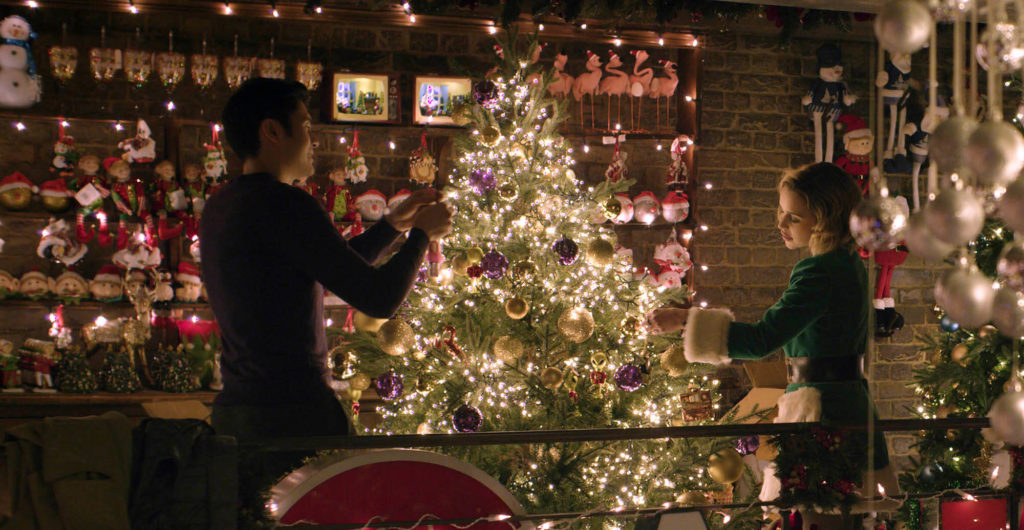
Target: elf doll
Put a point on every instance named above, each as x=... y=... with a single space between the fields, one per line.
x=894 y=83
x=130 y=199
x=827 y=99
x=338 y=199
x=64 y=156
x=168 y=197
x=90 y=189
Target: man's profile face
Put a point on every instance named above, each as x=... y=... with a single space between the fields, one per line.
x=297 y=148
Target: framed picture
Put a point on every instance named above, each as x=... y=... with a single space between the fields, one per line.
x=363 y=98
x=436 y=98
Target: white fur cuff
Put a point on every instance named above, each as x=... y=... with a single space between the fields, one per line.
x=800 y=405
x=707 y=336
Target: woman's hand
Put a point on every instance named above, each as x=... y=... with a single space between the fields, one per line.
x=401 y=218
x=666 y=320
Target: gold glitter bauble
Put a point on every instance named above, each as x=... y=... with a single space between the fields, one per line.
x=364 y=322
x=987 y=330
x=959 y=354
x=461 y=114
x=524 y=270
x=508 y=191
x=16 y=199
x=576 y=323
x=611 y=208
x=395 y=337
x=691 y=498
x=673 y=360
x=517 y=308
x=601 y=252
x=56 y=204
x=460 y=264
x=551 y=377
x=725 y=466
x=360 y=381
x=474 y=255
x=490 y=136
x=507 y=349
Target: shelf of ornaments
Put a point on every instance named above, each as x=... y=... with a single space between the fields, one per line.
x=96 y=305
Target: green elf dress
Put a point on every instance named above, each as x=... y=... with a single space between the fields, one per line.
x=821 y=323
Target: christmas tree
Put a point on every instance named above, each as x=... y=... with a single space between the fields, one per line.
x=118 y=374
x=536 y=323
x=72 y=373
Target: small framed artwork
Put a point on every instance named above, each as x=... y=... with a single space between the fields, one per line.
x=437 y=97
x=363 y=98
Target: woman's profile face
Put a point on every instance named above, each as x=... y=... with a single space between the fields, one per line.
x=796 y=222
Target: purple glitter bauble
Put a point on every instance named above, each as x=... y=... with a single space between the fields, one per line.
x=482 y=180
x=389 y=386
x=494 y=264
x=567 y=250
x=628 y=377
x=748 y=445
x=486 y=94
x=467 y=418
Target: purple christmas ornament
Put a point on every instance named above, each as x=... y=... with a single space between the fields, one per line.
x=486 y=94
x=567 y=250
x=389 y=386
x=482 y=180
x=494 y=264
x=748 y=445
x=467 y=418
x=628 y=377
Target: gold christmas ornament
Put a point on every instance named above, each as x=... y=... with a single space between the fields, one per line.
x=462 y=114
x=601 y=252
x=460 y=264
x=674 y=361
x=551 y=377
x=725 y=466
x=16 y=199
x=524 y=270
x=360 y=381
x=507 y=349
x=508 y=191
x=987 y=330
x=364 y=322
x=354 y=395
x=517 y=308
x=474 y=255
x=959 y=354
x=395 y=337
x=576 y=323
x=490 y=136
x=611 y=208
x=691 y=498
x=54 y=204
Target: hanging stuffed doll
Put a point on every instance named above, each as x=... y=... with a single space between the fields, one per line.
x=894 y=83
x=129 y=197
x=169 y=198
x=675 y=207
x=215 y=164
x=422 y=168
x=672 y=261
x=617 y=168
x=826 y=100
x=90 y=188
x=919 y=130
x=59 y=244
x=857 y=141
x=64 y=154
x=355 y=167
x=140 y=148
x=887 y=320
x=195 y=194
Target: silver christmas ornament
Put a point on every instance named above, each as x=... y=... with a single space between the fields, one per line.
x=1007 y=416
x=948 y=142
x=1003 y=49
x=949 y=10
x=1008 y=311
x=1010 y=266
x=903 y=26
x=878 y=223
x=1011 y=206
x=966 y=295
x=922 y=243
x=995 y=153
x=955 y=216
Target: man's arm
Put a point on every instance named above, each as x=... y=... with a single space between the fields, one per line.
x=373 y=242
x=305 y=237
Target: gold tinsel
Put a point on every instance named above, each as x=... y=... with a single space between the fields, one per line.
x=517 y=308
x=551 y=377
x=576 y=323
x=725 y=466
x=360 y=382
x=395 y=337
x=600 y=251
x=674 y=361
x=507 y=349
x=490 y=136
x=364 y=322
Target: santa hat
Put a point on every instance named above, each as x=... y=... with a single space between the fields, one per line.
x=187 y=273
x=33 y=274
x=108 y=273
x=590 y=55
x=70 y=275
x=399 y=197
x=16 y=180
x=109 y=161
x=612 y=54
x=54 y=188
x=67 y=140
x=829 y=55
x=854 y=127
x=643 y=194
x=371 y=195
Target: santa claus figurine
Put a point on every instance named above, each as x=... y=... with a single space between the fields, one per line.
x=130 y=199
x=140 y=148
x=675 y=207
x=215 y=167
x=43 y=362
x=190 y=285
x=617 y=169
x=58 y=244
x=371 y=205
x=887 y=319
x=857 y=141
x=90 y=188
x=646 y=207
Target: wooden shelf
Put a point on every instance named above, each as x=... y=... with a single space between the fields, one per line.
x=93 y=305
x=28 y=406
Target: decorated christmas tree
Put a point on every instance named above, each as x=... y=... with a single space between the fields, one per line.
x=118 y=374
x=531 y=319
x=72 y=373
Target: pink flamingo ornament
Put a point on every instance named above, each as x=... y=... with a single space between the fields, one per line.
x=587 y=83
x=664 y=87
x=563 y=82
x=616 y=83
x=639 y=84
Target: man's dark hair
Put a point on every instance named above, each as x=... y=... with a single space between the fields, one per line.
x=256 y=100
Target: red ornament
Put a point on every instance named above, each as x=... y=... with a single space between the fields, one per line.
x=598 y=377
x=474 y=271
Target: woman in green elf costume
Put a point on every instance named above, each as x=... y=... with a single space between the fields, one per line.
x=820 y=322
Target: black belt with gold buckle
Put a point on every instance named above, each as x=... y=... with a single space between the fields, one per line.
x=825 y=369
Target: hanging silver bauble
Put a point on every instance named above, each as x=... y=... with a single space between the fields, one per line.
x=903 y=26
x=1011 y=206
x=949 y=10
x=966 y=295
x=878 y=223
x=1003 y=49
x=921 y=242
x=955 y=216
x=1008 y=311
x=995 y=153
x=1007 y=416
x=1010 y=265
x=947 y=143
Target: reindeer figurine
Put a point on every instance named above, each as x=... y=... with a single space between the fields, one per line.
x=587 y=83
x=639 y=85
x=664 y=87
x=563 y=82
x=616 y=83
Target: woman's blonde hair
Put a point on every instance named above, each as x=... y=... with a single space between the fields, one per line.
x=831 y=196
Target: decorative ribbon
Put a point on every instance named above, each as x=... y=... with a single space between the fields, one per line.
x=349 y=326
x=454 y=348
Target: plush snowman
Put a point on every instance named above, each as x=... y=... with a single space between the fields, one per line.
x=19 y=85
x=675 y=207
x=626 y=213
x=371 y=205
x=646 y=207
x=398 y=198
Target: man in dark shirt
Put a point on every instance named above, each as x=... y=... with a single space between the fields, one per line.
x=269 y=250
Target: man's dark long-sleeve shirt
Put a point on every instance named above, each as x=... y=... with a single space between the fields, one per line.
x=269 y=250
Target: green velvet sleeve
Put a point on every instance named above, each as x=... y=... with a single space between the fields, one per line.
x=805 y=301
